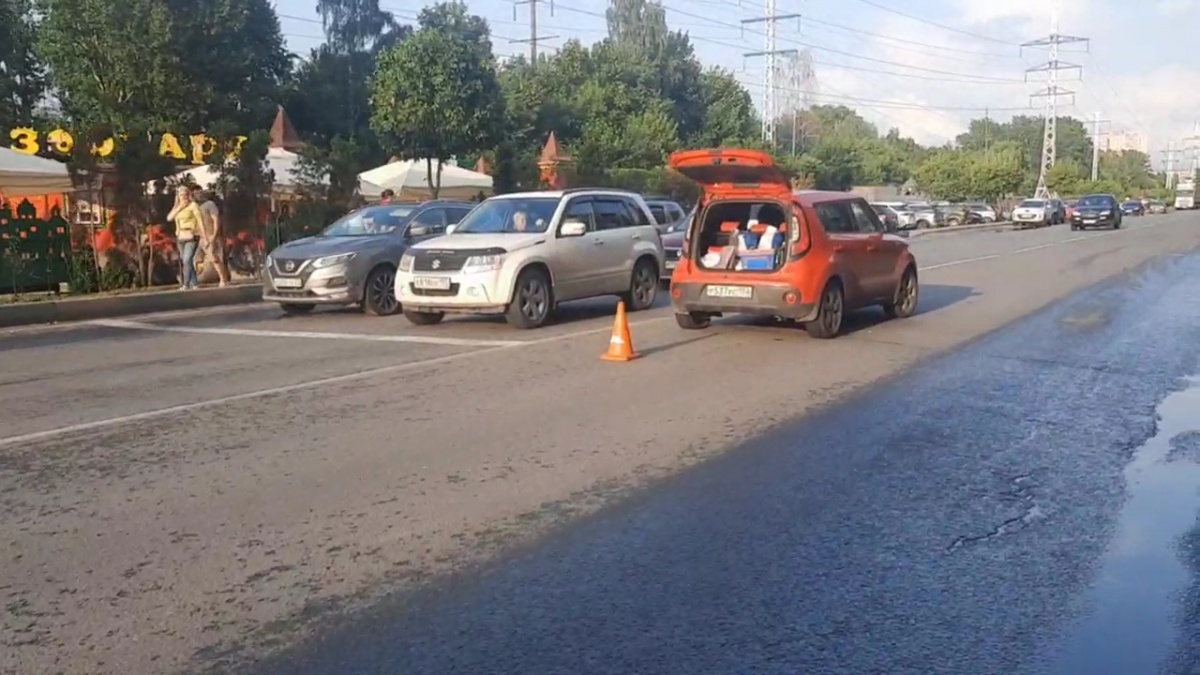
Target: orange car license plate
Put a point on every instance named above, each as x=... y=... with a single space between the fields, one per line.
x=738 y=292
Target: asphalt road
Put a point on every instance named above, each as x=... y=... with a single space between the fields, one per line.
x=235 y=490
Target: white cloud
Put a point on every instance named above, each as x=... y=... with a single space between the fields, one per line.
x=1178 y=7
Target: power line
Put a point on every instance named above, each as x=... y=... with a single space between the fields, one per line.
x=935 y=24
x=533 y=28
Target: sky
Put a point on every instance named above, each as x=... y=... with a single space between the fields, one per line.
x=926 y=67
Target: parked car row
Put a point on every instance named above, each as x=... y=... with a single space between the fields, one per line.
x=520 y=255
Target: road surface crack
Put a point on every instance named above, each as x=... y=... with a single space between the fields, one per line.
x=1022 y=491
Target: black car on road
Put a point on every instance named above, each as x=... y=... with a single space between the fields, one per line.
x=1133 y=207
x=1096 y=211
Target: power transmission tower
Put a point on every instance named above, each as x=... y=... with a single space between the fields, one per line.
x=1096 y=122
x=770 y=75
x=1169 y=156
x=1052 y=92
x=798 y=82
x=1192 y=143
x=533 y=27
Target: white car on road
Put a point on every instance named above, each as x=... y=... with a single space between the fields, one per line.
x=1036 y=212
x=522 y=254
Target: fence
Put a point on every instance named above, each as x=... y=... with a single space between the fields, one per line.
x=35 y=251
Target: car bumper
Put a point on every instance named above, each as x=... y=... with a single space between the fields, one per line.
x=474 y=293
x=327 y=286
x=1022 y=218
x=670 y=262
x=764 y=300
x=1094 y=221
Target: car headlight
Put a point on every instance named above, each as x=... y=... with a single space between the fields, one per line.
x=406 y=262
x=268 y=261
x=1106 y=213
x=331 y=260
x=483 y=263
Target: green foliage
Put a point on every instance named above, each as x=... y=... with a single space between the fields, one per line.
x=957 y=175
x=24 y=77
x=435 y=95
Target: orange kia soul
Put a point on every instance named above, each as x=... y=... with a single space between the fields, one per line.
x=756 y=247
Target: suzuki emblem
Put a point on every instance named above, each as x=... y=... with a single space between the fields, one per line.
x=290 y=266
x=437 y=264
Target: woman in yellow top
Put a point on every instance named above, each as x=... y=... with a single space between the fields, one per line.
x=188 y=226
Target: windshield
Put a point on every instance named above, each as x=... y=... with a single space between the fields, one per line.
x=510 y=214
x=1094 y=200
x=370 y=221
x=1033 y=204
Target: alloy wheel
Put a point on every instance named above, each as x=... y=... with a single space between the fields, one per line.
x=533 y=299
x=831 y=315
x=645 y=287
x=383 y=292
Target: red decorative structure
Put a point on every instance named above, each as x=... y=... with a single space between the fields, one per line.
x=283 y=134
x=548 y=165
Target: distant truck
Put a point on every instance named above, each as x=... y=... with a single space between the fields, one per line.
x=1185 y=193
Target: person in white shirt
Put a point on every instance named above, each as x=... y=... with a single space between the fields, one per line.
x=212 y=241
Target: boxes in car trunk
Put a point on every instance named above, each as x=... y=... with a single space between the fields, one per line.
x=756 y=261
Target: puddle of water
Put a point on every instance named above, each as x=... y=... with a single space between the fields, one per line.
x=1131 y=623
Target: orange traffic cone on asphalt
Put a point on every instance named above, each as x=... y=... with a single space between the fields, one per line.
x=620 y=345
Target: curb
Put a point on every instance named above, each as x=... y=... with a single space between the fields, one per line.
x=110 y=306
x=998 y=225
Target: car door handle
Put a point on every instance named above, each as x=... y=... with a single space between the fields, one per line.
x=637 y=237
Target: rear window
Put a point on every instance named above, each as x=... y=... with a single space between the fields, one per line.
x=660 y=213
x=1033 y=204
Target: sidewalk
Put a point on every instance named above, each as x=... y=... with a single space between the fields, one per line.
x=51 y=309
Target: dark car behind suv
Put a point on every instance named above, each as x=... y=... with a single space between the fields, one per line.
x=1133 y=207
x=1096 y=211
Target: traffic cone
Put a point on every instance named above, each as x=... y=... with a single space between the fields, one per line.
x=620 y=345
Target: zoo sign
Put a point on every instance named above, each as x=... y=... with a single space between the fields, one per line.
x=61 y=142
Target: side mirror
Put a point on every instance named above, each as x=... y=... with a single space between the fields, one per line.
x=573 y=228
x=418 y=231
x=451 y=228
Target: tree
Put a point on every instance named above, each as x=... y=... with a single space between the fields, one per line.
x=358 y=26
x=22 y=77
x=435 y=95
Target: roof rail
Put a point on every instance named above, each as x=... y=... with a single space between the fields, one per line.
x=594 y=188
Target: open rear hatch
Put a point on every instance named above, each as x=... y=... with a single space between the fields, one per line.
x=745 y=221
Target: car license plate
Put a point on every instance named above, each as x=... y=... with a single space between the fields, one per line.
x=1089 y=221
x=742 y=292
x=432 y=283
x=288 y=283
x=670 y=264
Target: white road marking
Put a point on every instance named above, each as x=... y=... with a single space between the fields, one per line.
x=1029 y=249
x=311 y=335
x=299 y=386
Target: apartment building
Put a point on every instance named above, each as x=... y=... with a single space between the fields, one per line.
x=1120 y=141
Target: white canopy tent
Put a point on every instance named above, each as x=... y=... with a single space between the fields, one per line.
x=409 y=179
x=24 y=175
x=281 y=162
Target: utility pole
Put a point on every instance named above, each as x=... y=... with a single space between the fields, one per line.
x=533 y=28
x=1051 y=93
x=1096 y=122
x=1169 y=163
x=771 y=70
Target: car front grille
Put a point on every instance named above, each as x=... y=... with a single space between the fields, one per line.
x=288 y=267
x=439 y=261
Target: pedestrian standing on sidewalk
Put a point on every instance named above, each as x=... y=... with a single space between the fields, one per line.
x=212 y=241
x=188 y=225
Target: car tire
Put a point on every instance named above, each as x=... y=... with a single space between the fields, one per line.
x=907 y=295
x=643 y=286
x=831 y=311
x=693 y=320
x=293 y=309
x=952 y=222
x=423 y=318
x=379 y=292
x=922 y=224
x=532 y=300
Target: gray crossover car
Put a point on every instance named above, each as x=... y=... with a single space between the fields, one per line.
x=353 y=261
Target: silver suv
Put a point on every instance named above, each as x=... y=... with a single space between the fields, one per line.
x=522 y=254
x=353 y=260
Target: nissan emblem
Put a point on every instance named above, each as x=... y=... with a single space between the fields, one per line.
x=290 y=266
